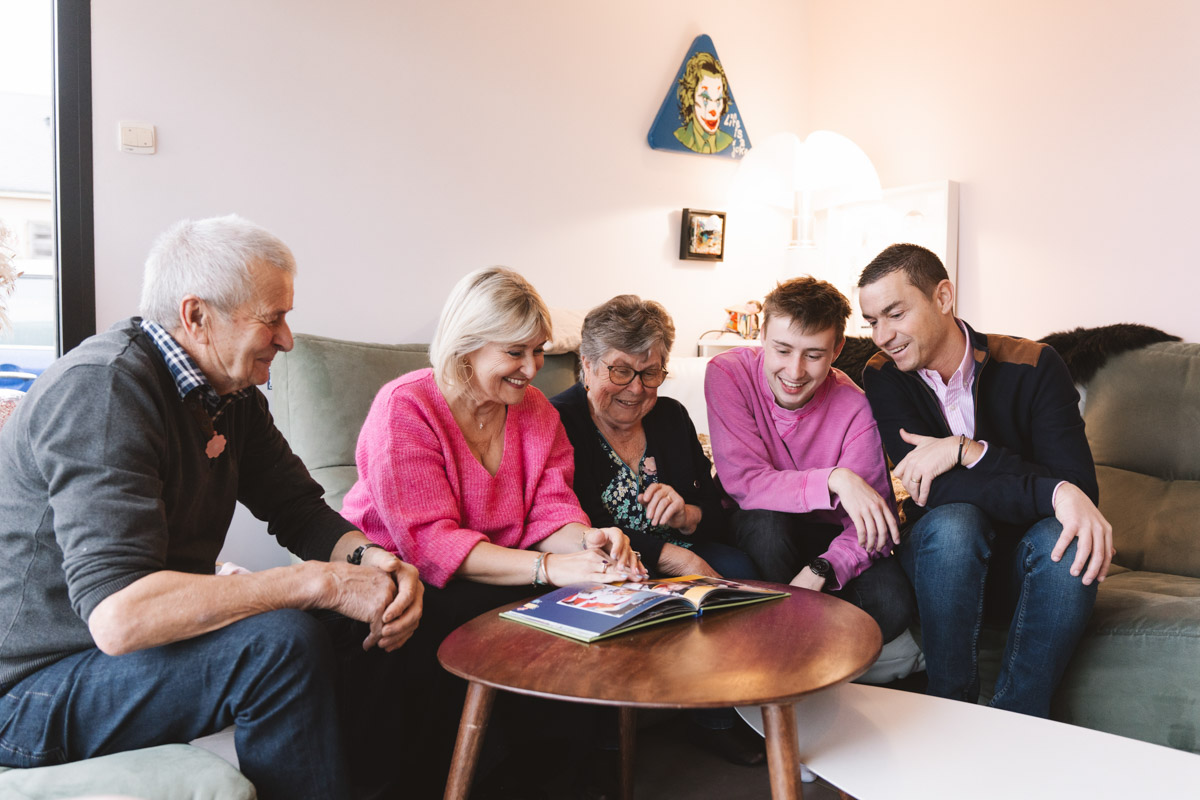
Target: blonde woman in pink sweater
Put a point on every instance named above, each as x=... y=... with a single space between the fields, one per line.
x=465 y=472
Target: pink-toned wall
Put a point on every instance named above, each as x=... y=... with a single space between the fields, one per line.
x=1072 y=127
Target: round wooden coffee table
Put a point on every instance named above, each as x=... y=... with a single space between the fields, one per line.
x=767 y=655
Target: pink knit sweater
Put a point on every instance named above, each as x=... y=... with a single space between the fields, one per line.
x=772 y=458
x=423 y=495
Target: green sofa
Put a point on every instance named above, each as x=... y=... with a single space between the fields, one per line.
x=1136 y=672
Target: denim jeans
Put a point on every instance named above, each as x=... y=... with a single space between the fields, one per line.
x=272 y=674
x=781 y=544
x=954 y=555
x=727 y=560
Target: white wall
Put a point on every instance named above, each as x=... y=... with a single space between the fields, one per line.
x=396 y=146
x=1071 y=126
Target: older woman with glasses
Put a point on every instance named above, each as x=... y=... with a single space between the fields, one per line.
x=639 y=466
x=638 y=463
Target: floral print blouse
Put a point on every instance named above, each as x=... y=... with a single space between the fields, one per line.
x=621 y=492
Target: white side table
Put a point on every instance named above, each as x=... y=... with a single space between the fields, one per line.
x=710 y=345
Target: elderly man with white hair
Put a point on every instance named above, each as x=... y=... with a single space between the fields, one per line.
x=119 y=473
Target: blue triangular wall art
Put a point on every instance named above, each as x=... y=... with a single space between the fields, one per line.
x=699 y=114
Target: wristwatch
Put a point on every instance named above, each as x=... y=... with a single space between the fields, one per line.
x=357 y=555
x=821 y=568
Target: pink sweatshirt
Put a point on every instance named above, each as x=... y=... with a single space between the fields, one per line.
x=771 y=458
x=423 y=495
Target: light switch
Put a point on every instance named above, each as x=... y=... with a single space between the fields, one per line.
x=136 y=137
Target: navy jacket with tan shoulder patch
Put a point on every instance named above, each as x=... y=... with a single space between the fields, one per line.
x=1026 y=409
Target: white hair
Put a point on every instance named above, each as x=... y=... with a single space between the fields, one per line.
x=211 y=259
x=493 y=304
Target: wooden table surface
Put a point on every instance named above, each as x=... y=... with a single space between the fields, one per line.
x=773 y=652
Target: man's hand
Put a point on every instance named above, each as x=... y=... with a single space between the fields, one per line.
x=354 y=591
x=807 y=579
x=665 y=506
x=872 y=518
x=402 y=615
x=931 y=456
x=1081 y=520
x=676 y=561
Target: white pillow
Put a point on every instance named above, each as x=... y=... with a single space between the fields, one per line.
x=568 y=329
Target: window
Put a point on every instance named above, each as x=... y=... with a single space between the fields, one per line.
x=45 y=180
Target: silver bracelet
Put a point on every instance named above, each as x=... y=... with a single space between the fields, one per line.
x=537 y=568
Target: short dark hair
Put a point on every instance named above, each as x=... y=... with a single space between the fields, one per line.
x=628 y=324
x=920 y=265
x=812 y=304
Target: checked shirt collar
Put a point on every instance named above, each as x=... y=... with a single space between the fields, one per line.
x=187 y=374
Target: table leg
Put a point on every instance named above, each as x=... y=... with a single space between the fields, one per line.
x=471 y=728
x=628 y=739
x=783 y=753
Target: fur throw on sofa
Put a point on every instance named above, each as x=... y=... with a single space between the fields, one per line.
x=1087 y=349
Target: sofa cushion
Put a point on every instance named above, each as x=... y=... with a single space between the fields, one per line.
x=1142 y=405
x=1154 y=521
x=1135 y=671
x=168 y=772
x=1141 y=416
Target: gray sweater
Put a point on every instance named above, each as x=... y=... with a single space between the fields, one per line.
x=104 y=479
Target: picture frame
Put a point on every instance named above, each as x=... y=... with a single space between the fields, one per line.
x=702 y=235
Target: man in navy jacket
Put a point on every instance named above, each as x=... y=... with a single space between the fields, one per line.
x=986 y=435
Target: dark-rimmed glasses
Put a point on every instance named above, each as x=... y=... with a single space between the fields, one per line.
x=651 y=377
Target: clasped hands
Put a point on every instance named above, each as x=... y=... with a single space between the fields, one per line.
x=383 y=591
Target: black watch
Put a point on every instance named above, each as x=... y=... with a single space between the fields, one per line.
x=356 y=556
x=821 y=568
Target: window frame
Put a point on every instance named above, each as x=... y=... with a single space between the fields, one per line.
x=73 y=203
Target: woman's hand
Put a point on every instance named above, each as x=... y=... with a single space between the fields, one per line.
x=665 y=506
x=615 y=544
x=676 y=561
x=592 y=564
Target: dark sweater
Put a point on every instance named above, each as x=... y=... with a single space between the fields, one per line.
x=104 y=479
x=671 y=439
x=1026 y=409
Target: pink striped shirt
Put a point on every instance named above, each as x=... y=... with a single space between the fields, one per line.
x=954 y=397
x=422 y=494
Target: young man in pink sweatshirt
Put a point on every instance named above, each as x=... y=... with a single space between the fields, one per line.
x=797 y=450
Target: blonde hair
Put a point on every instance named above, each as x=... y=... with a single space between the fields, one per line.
x=489 y=305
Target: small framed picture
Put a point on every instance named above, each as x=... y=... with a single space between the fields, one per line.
x=702 y=237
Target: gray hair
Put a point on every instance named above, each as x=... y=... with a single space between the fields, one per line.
x=489 y=305
x=629 y=324
x=211 y=259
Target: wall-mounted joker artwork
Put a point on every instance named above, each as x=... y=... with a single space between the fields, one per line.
x=699 y=114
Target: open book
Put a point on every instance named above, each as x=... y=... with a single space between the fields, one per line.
x=591 y=611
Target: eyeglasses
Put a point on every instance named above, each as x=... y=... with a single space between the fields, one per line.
x=652 y=377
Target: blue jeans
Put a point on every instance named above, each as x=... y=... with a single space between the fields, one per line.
x=949 y=554
x=727 y=560
x=272 y=674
